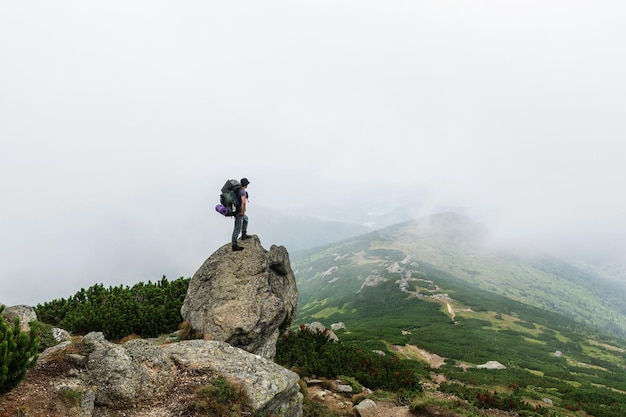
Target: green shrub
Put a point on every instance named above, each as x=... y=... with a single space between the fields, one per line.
x=46 y=338
x=147 y=310
x=482 y=398
x=421 y=406
x=313 y=409
x=18 y=352
x=312 y=353
x=356 y=387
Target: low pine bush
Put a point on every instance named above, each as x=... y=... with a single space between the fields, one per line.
x=147 y=310
x=18 y=352
x=312 y=353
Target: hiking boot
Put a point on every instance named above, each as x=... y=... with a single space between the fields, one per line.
x=237 y=247
x=245 y=236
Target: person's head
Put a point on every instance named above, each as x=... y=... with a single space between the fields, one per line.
x=244 y=182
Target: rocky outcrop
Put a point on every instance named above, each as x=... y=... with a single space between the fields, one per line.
x=338 y=326
x=317 y=327
x=24 y=313
x=243 y=298
x=239 y=301
x=141 y=378
x=271 y=389
x=491 y=365
x=373 y=280
x=60 y=335
x=136 y=372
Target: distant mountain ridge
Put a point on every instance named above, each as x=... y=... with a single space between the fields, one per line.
x=298 y=232
x=458 y=246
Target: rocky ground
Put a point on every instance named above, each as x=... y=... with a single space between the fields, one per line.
x=387 y=408
x=38 y=396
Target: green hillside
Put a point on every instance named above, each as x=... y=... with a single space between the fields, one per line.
x=457 y=246
x=430 y=287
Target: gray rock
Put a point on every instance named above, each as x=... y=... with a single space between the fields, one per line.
x=491 y=365
x=313 y=381
x=78 y=360
x=87 y=404
x=60 y=335
x=43 y=357
x=338 y=326
x=343 y=388
x=272 y=389
x=366 y=408
x=24 y=313
x=136 y=372
x=373 y=280
x=243 y=298
x=318 y=327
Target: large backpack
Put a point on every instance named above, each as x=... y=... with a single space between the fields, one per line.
x=230 y=202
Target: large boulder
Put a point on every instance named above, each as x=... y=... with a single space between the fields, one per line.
x=24 y=313
x=136 y=372
x=270 y=388
x=243 y=298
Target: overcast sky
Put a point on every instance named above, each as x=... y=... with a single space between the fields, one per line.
x=120 y=121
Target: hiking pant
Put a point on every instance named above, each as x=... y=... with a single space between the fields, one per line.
x=241 y=225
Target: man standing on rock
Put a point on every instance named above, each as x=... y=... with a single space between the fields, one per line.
x=241 y=220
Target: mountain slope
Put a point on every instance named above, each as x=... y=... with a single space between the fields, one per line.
x=457 y=246
x=431 y=288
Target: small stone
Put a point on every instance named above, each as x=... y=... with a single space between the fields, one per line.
x=366 y=408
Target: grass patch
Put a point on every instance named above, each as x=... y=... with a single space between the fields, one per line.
x=327 y=312
x=222 y=398
x=599 y=352
x=428 y=406
x=70 y=397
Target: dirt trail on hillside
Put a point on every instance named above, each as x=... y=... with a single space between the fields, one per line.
x=451 y=311
x=413 y=352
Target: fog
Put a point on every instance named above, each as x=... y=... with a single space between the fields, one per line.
x=120 y=121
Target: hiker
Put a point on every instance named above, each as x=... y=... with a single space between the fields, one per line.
x=241 y=220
